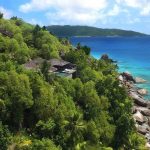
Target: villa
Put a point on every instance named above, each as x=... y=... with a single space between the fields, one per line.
x=57 y=66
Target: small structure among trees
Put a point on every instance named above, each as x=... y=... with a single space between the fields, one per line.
x=57 y=66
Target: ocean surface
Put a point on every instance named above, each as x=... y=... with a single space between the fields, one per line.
x=132 y=54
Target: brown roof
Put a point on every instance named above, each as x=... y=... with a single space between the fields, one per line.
x=58 y=62
x=52 y=69
x=35 y=63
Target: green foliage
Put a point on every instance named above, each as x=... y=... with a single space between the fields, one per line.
x=45 y=129
x=45 y=69
x=67 y=30
x=77 y=126
x=44 y=144
x=20 y=38
x=97 y=147
x=20 y=142
x=46 y=112
x=16 y=92
x=86 y=49
x=4 y=137
x=136 y=141
x=44 y=102
x=2 y=105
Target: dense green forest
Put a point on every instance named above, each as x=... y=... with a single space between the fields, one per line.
x=89 y=31
x=40 y=111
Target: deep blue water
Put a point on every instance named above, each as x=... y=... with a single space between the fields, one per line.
x=132 y=53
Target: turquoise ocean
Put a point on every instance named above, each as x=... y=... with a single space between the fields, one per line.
x=131 y=53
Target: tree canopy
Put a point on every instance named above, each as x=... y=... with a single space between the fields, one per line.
x=41 y=111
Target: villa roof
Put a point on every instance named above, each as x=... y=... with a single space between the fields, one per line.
x=52 y=69
x=33 y=64
x=58 y=62
x=54 y=63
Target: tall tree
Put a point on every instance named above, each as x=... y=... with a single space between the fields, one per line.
x=1 y=15
x=45 y=69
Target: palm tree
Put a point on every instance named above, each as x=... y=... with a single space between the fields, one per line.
x=77 y=128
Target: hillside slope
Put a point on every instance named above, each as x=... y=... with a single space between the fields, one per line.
x=89 y=31
x=42 y=111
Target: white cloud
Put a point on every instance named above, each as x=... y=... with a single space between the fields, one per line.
x=71 y=11
x=73 y=17
x=40 y=5
x=36 y=5
x=7 y=13
x=133 y=20
x=146 y=10
x=91 y=12
x=134 y=3
x=115 y=11
x=34 y=22
x=142 y=5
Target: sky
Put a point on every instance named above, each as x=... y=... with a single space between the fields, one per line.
x=121 y=14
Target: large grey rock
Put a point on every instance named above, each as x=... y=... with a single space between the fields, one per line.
x=142 y=130
x=105 y=57
x=133 y=90
x=143 y=91
x=134 y=109
x=146 y=126
x=146 y=120
x=147 y=145
x=137 y=99
x=134 y=95
x=144 y=110
x=149 y=121
x=138 y=117
x=129 y=85
x=148 y=104
x=140 y=102
x=120 y=78
x=139 y=80
x=147 y=136
x=128 y=77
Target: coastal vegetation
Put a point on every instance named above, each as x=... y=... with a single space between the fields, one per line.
x=69 y=31
x=41 y=111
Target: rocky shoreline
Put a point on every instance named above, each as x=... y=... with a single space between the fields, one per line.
x=141 y=107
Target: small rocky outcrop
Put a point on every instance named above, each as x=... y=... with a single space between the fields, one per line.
x=141 y=107
x=142 y=91
x=142 y=129
x=146 y=112
x=138 y=117
x=139 y=80
x=106 y=58
x=147 y=145
x=140 y=102
x=120 y=78
x=138 y=99
x=128 y=77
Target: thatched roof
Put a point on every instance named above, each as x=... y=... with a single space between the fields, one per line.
x=33 y=64
x=52 y=69
x=54 y=64
x=58 y=62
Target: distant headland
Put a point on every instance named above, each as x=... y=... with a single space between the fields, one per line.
x=68 y=30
